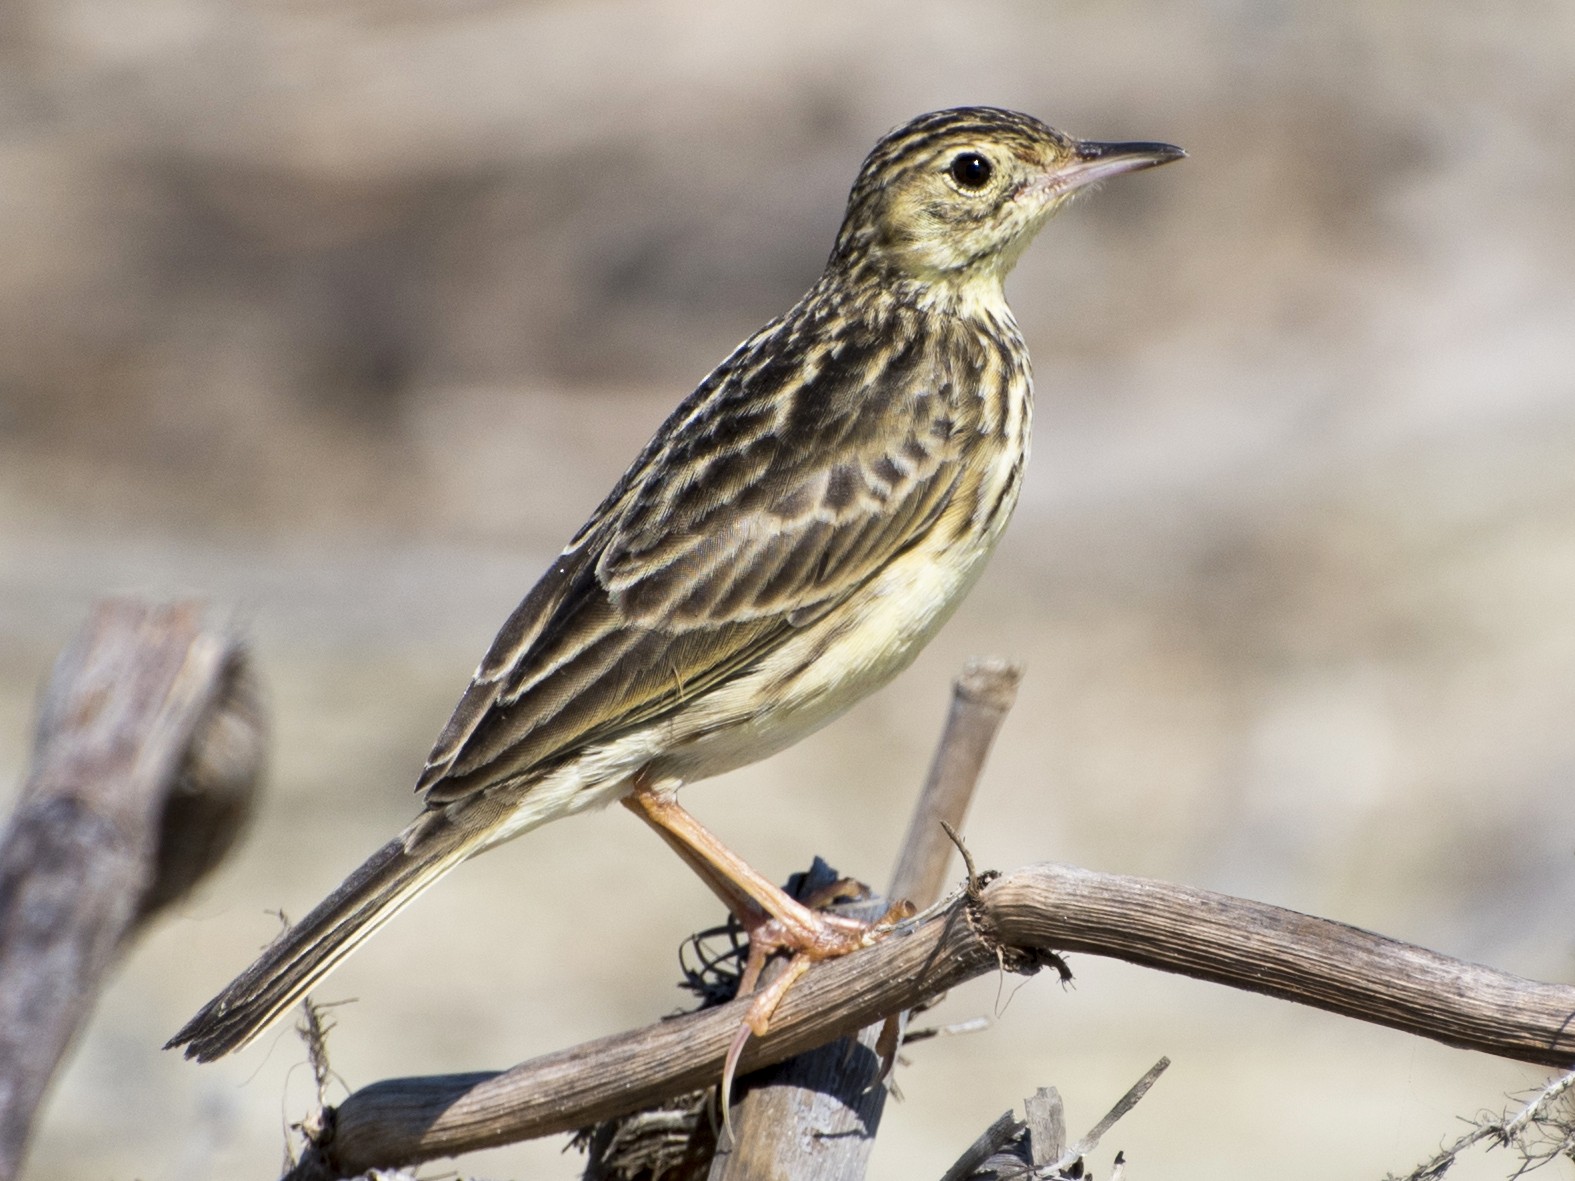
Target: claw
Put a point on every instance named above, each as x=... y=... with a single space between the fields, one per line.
x=887 y=1046
x=729 y=1069
x=834 y=937
x=757 y=1021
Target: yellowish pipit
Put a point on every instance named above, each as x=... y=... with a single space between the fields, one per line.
x=793 y=535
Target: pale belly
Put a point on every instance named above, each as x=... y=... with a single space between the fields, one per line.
x=795 y=690
x=819 y=674
x=800 y=687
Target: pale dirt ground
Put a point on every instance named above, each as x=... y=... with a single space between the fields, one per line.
x=345 y=316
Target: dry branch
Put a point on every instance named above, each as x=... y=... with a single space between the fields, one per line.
x=148 y=748
x=1019 y=919
x=981 y=698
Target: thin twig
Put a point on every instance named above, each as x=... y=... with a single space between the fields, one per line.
x=992 y=1140
x=1126 y=1103
x=981 y=698
x=974 y=885
x=1554 y=1129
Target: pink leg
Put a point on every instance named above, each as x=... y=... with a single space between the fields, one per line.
x=774 y=920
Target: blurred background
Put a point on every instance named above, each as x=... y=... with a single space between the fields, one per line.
x=346 y=315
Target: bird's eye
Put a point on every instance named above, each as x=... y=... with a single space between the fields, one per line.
x=971 y=170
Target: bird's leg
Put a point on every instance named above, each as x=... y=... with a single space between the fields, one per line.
x=739 y=904
x=750 y=915
x=761 y=906
x=774 y=920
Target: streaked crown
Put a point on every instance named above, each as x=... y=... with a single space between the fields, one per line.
x=954 y=197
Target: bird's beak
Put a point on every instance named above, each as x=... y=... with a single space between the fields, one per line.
x=1093 y=162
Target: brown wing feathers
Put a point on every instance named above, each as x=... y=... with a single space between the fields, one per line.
x=660 y=598
x=659 y=602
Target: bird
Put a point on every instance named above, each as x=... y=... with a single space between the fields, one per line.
x=791 y=537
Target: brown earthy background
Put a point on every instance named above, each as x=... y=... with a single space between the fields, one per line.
x=345 y=315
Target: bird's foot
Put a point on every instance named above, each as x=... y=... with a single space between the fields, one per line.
x=822 y=937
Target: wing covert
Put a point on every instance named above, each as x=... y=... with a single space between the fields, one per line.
x=761 y=504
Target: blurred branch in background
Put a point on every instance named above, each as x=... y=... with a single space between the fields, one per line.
x=1539 y=1133
x=148 y=753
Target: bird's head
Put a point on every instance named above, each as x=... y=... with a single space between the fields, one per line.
x=949 y=201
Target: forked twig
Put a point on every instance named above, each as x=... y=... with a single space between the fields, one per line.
x=1539 y=1133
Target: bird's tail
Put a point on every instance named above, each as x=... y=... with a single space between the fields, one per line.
x=293 y=963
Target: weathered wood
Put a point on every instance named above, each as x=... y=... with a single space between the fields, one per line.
x=995 y=1142
x=1045 y=1116
x=1282 y=953
x=1020 y=917
x=815 y=1117
x=981 y=698
x=147 y=749
x=1034 y=1148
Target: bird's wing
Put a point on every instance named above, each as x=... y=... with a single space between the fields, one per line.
x=763 y=501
